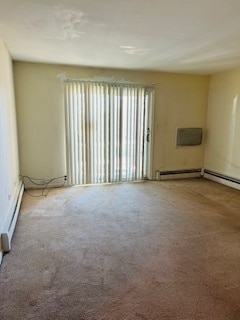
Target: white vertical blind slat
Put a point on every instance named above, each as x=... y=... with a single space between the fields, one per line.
x=82 y=135
x=72 y=146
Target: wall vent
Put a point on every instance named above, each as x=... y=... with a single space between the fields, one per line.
x=189 y=136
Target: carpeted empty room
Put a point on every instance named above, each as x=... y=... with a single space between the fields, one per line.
x=151 y=250
x=120 y=160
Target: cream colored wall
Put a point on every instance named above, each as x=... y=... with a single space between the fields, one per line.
x=223 y=124
x=180 y=101
x=9 y=177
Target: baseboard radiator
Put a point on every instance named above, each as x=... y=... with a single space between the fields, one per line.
x=9 y=227
x=178 y=174
x=221 y=178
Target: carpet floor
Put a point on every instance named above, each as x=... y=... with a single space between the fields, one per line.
x=132 y=251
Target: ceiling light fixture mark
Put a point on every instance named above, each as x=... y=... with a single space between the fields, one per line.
x=136 y=51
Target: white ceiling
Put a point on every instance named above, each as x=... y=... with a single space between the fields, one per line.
x=191 y=36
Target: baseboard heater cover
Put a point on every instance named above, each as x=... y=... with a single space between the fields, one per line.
x=6 y=236
x=230 y=181
x=178 y=174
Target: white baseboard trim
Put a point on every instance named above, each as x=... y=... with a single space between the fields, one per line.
x=11 y=219
x=178 y=174
x=223 y=179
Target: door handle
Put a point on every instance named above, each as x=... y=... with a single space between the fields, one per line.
x=148 y=135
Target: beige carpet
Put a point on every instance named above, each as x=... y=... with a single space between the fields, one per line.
x=145 y=251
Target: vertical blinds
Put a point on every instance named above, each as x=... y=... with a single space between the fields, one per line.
x=107 y=126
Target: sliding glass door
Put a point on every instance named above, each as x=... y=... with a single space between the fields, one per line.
x=108 y=127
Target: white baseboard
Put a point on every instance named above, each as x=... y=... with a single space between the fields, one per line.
x=178 y=174
x=11 y=219
x=217 y=177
